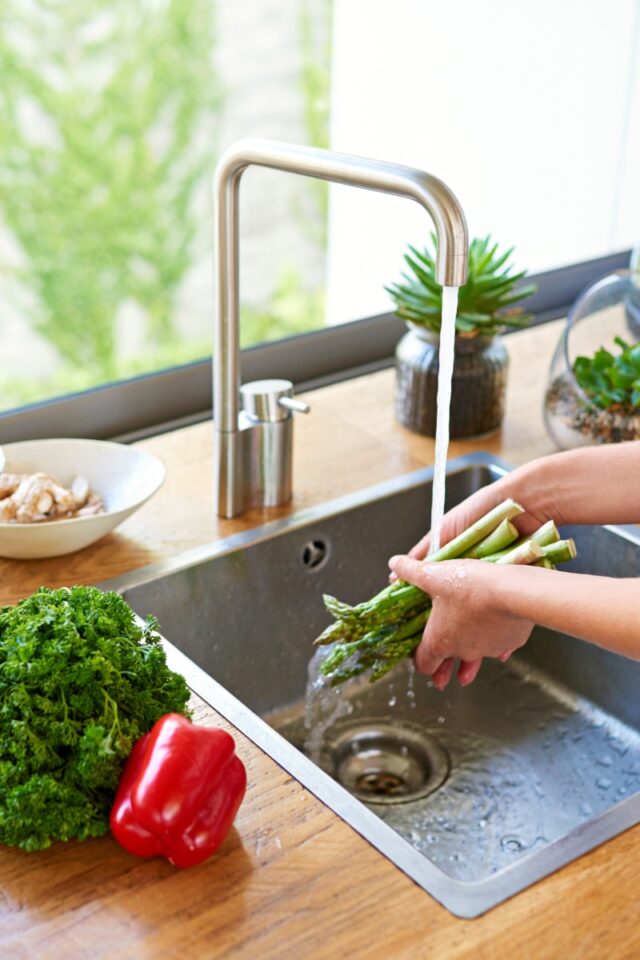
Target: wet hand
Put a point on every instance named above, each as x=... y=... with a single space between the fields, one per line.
x=467 y=622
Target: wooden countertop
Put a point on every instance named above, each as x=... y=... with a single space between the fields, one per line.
x=292 y=879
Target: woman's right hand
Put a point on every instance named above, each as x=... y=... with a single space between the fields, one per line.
x=529 y=487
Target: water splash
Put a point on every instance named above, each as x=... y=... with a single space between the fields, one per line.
x=445 y=374
x=323 y=705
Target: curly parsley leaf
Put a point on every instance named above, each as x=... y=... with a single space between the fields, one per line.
x=80 y=682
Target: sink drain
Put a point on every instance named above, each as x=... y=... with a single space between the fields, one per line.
x=315 y=554
x=387 y=763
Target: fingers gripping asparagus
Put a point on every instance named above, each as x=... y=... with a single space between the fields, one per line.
x=379 y=633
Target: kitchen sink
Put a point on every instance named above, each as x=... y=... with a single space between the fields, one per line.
x=475 y=793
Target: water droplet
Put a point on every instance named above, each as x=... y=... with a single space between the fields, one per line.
x=603 y=783
x=586 y=809
x=392 y=701
x=440 y=719
x=454 y=856
x=482 y=823
x=431 y=838
x=605 y=761
x=512 y=844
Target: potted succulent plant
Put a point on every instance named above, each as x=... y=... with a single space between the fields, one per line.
x=597 y=400
x=486 y=305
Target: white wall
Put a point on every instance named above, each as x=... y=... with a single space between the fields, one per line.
x=529 y=111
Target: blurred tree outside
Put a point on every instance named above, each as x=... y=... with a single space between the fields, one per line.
x=107 y=129
x=109 y=132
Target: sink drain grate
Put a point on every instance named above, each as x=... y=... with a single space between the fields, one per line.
x=381 y=762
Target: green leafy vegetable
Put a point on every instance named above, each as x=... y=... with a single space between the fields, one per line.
x=486 y=303
x=80 y=682
x=611 y=382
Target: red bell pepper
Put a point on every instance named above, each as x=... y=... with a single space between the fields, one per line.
x=179 y=792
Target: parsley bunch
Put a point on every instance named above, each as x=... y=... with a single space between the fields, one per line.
x=80 y=682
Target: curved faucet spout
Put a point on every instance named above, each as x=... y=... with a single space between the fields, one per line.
x=427 y=190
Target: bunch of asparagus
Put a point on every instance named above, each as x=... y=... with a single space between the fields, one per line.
x=379 y=633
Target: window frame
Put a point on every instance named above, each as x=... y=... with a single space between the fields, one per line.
x=154 y=403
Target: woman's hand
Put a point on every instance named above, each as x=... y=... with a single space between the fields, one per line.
x=523 y=485
x=591 y=485
x=468 y=621
x=528 y=487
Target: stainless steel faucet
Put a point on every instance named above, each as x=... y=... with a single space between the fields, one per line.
x=253 y=448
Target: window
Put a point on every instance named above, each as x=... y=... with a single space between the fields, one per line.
x=112 y=116
x=529 y=111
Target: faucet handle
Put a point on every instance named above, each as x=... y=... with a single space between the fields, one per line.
x=268 y=401
x=295 y=406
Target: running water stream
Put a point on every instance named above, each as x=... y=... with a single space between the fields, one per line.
x=445 y=374
x=324 y=705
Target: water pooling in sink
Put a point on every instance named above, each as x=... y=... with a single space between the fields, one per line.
x=527 y=759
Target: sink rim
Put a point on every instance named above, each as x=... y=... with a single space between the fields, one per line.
x=466 y=899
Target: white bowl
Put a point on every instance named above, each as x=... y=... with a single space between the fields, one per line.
x=125 y=477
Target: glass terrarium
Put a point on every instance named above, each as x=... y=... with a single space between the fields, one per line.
x=591 y=397
x=632 y=305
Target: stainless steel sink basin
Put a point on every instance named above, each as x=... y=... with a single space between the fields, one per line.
x=475 y=793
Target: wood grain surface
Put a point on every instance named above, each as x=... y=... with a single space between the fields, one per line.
x=293 y=880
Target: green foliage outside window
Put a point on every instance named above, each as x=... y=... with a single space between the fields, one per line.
x=107 y=129
x=109 y=118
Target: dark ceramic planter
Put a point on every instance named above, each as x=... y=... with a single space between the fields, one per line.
x=477 y=389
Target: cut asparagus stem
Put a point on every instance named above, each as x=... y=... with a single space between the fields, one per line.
x=546 y=563
x=546 y=534
x=503 y=536
x=560 y=552
x=527 y=552
x=453 y=550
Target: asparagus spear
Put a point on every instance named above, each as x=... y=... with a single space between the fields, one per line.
x=503 y=536
x=453 y=550
x=560 y=552
x=527 y=552
x=544 y=536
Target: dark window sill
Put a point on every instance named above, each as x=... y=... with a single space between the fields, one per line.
x=161 y=401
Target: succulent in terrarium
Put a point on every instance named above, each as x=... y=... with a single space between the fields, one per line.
x=487 y=303
x=611 y=382
x=596 y=397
